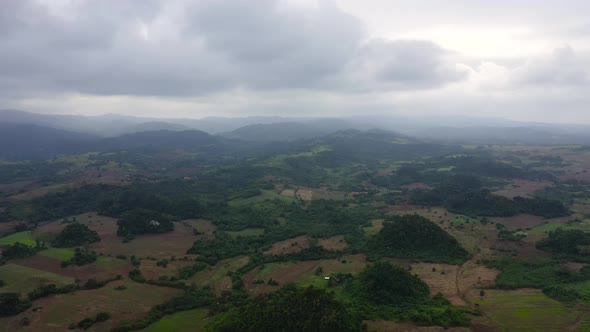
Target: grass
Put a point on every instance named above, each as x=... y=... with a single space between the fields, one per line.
x=265 y=195
x=375 y=227
x=526 y=310
x=584 y=225
x=278 y=160
x=23 y=279
x=217 y=276
x=184 y=321
x=64 y=254
x=247 y=232
x=22 y=237
x=270 y=268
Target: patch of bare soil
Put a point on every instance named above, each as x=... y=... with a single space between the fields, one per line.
x=574 y=267
x=441 y=278
x=152 y=271
x=527 y=221
x=389 y=326
x=83 y=273
x=523 y=188
x=304 y=194
x=335 y=243
x=289 y=246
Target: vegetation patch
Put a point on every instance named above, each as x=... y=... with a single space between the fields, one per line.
x=24 y=279
x=416 y=237
x=74 y=235
x=526 y=310
x=25 y=237
x=289 y=309
x=184 y=321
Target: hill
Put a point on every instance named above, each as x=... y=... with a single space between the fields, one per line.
x=288 y=131
x=26 y=141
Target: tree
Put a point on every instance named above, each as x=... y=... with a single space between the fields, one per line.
x=74 y=235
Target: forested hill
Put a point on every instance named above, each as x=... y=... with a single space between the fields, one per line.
x=288 y=131
x=26 y=141
x=32 y=142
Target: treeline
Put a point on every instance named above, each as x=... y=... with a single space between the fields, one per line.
x=543 y=273
x=290 y=309
x=465 y=195
x=566 y=243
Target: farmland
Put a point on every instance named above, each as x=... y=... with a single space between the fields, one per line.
x=216 y=239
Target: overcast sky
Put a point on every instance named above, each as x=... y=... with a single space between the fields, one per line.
x=516 y=59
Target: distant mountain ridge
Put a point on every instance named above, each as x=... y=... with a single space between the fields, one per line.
x=452 y=129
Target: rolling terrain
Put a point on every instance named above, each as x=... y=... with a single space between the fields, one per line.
x=187 y=231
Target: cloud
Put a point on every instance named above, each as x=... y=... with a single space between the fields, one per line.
x=292 y=57
x=561 y=67
x=180 y=48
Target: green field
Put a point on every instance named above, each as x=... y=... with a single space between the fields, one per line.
x=527 y=310
x=217 y=276
x=278 y=160
x=265 y=195
x=25 y=237
x=184 y=321
x=551 y=226
x=64 y=254
x=21 y=279
x=247 y=232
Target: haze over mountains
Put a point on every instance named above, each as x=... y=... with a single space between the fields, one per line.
x=27 y=134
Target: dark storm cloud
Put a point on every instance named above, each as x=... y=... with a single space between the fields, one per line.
x=173 y=48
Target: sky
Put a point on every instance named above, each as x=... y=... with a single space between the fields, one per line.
x=516 y=59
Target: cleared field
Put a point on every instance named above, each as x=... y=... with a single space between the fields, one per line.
x=25 y=237
x=205 y=227
x=58 y=311
x=103 y=269
x=185 y=321
x=526 y=310
x=22 y=279
x=217 y=277
x=152 y=271
x=164 y=245
x=302 y=273
x=584 y=225
x=527 y=221
x=441 y=278
x=336 y=243
x=288 y=246
x=388 y=326
x=296 y=244
x=523 y=188
x=7 y=226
